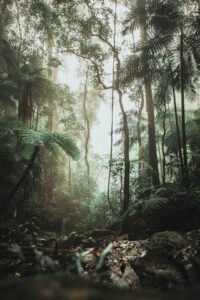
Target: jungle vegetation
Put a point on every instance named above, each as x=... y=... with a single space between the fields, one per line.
x=99 y=147
x=140 y=56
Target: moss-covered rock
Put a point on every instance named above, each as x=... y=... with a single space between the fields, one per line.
x=170 y=260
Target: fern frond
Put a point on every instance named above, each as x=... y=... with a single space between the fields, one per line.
x=66 y=143
x=41 y=139
x=154 y=203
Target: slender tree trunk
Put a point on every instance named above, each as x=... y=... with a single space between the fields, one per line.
x=125 y=221
x=153 y=161
x=177 y=127
x=125 y=212
x=186 y=181
x=49 y=166
x=140 y=165
x=49 y=74
x=163 y=144
x=139 y=131
x=160 y=158
x=112 y=111
x=37 y=118
x=70 y=177
x=121 y=190
x=20 y=182
x=87 y=122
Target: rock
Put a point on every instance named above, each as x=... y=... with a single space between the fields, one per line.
x=73 y=240
x=193 y=236
x=169 y=240
x=102 y=237
x=89 y=243
x=128 y=279
x=169 y=261
x=155 y=270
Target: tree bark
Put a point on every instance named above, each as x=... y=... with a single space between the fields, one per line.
x=49 y=167
x=163 y=144
x=139 y=131
x=87 y=122
x=153 y=160
x=112 y=113
x=186 y=180
x=125 y=221
x=20 y=182
x=70 y=177
x=177 y=127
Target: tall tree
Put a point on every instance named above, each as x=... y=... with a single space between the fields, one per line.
x=87 y=124
x=186 y=180
x=153 y=161
x=112 y=109
x=94 y=30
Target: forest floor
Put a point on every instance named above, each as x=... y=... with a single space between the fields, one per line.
x=161 y=253
x=166 y=261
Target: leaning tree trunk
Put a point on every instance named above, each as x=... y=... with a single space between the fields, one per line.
x=186 y=181
x=20 y=181
x=153 y=161
x=87 y=122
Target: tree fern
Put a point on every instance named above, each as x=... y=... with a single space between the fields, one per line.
x=42 y=139
x=154 y=203
x=31 y=142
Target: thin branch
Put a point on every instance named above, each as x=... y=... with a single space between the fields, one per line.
x=100 y=81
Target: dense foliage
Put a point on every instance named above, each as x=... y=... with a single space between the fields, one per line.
x=144 y=53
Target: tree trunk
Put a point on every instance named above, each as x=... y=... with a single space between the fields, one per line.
x=153 y=161
x=25 y=108
x=49 y=168
x=163 y=144
x=160 y=158
x=125 y=211
x=186 y=181
x=139 y=131
x=112 y=112
x=125 y=221
x=70 y=178
x=177 y=127
x=20 y=182
x=87 y=122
